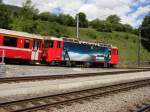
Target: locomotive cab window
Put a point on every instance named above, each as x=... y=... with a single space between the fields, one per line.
x=26 y=43
x=10 y=41
x=48 y=44
x=58 y=44
x=117 y=52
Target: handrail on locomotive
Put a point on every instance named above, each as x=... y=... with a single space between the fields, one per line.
x=2 y=56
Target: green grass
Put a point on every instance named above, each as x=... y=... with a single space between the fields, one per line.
x=126 y=42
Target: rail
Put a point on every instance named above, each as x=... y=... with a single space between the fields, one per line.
x=145 y=108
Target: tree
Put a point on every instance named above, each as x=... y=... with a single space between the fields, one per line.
x=101 y=26
x=47 y=16
x=83 y=22
x=28 y=11
x=104 y=26
x=95 y=23
x=4 y=16
x=128 y=28
x=24 y=21
x=61 y=18
x=70 y=20
x=113 y=19
x=44 y=28
x=117 y=27
x=66 y=20
x=23 y=25
x=145 y=32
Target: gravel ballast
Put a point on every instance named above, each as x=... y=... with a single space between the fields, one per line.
x=120 y=102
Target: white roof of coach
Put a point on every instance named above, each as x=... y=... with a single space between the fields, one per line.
x=52 y=38
x=18 y=33
x=101 y=44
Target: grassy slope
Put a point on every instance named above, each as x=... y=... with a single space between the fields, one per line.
x=126 y=42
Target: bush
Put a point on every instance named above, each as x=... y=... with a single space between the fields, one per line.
x=104 y=27
x=47 y=28
x=92 y=35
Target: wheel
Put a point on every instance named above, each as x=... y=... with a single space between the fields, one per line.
x=52 y=63
x=106 y=65
x=87 y=64
x=68 y=64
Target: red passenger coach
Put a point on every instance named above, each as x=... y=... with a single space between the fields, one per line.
x=20 y=45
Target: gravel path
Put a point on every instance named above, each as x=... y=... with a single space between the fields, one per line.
x=121 y=102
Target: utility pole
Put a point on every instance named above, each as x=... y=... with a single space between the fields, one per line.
x=77 y=27
x=139 y=47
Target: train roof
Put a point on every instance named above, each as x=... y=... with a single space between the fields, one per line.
x=114 y=47
x=100 y=44
x=52 y=38
x=18 y=33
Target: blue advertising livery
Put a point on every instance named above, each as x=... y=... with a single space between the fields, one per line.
x=85 y=52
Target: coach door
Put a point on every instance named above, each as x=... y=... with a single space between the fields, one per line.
x=35 y=51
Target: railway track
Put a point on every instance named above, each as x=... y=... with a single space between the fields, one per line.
x=51 y=77
x=46 y=102
x=144 y=108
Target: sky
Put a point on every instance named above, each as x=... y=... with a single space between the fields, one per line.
x=130 y=11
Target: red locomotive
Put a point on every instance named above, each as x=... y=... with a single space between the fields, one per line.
x=34 y=48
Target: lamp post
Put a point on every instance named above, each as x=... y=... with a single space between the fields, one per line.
x=139 y=47
x=77 y=26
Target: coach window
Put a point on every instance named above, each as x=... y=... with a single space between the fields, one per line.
x=48 y=44
x=58 y=44
x=36 y=44
x=10 y=41
x=26 y=43
x=51 y=44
